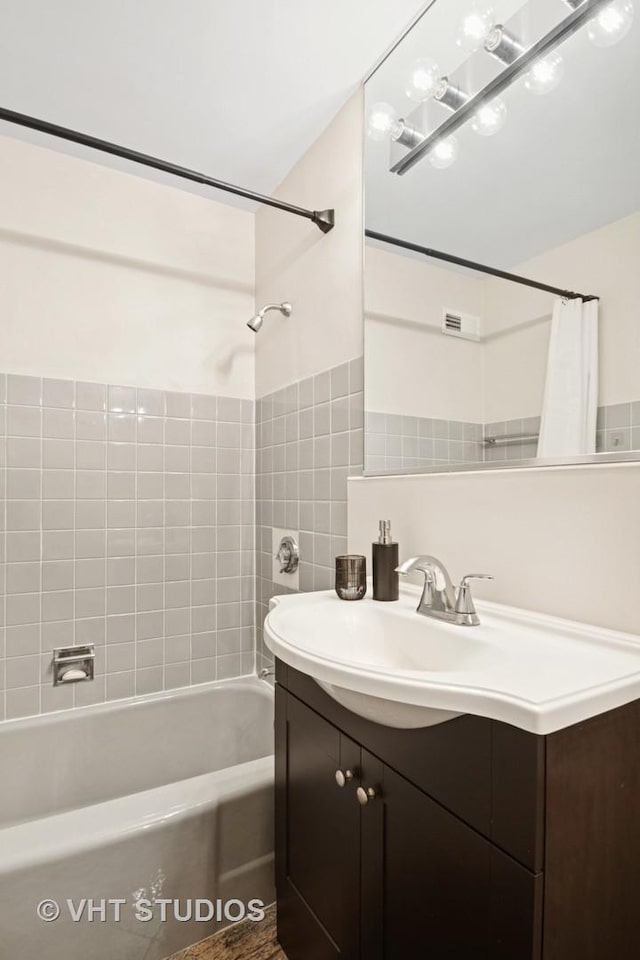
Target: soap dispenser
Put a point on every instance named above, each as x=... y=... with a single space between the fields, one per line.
x=385 y=561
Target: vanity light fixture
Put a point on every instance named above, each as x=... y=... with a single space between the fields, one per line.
x=545 y=75
x=382 y=122
x=611 y=24
x=542 y=67
x=423 y=79
x=490 y=117
x=405 y=134
x=502 y=45
x=607 y=21
x=475 y=27
x=449 y=95
x=444 y=153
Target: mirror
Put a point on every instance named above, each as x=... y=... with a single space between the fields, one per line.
x=502 y=138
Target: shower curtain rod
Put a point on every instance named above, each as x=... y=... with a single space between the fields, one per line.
x=480 y=267
x=324 y=219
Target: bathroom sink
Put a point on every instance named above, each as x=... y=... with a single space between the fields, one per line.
x=388 y=664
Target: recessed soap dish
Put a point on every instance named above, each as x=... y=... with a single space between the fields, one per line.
x=73 y=664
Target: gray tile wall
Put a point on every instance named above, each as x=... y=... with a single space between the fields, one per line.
x=618 y=427
x=396 y=444
x=528 y=427
x=618 y=430
x=309 y=439
x=127 y=521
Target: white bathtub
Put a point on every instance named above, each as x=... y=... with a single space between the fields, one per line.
x=167 y=796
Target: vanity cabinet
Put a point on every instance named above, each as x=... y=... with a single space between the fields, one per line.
x=322 y=830
x=470 y=840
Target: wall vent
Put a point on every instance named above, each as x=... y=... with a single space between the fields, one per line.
x=463 y=325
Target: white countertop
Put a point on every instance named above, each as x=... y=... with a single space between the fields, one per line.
x=538 y=673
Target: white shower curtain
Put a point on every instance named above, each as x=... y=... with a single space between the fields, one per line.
x=570 y=404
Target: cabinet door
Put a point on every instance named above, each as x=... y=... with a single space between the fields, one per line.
x=318 y=845
x=447 y=893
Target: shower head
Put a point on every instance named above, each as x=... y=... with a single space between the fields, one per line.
x=256 y=322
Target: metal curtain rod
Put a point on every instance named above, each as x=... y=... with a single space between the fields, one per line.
x=480 y=267
x=324 y=219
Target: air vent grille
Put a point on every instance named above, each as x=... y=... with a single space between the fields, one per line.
x=455 y=323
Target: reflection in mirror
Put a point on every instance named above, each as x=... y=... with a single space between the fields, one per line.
x=501 y=279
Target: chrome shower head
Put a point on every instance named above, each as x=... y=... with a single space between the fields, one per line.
x=256 y=322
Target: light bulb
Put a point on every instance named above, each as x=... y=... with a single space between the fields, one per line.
x=382 y=121
x=422 y=80
x=475 y=27
x=444 y=153
x=489 y=118
x=545 y=74
x=611 y=23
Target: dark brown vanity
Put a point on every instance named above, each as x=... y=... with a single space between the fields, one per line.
x=468 y=840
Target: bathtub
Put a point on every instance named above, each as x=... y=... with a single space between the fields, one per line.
x=166 y=797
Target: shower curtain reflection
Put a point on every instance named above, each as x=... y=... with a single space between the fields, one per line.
x=570 y=405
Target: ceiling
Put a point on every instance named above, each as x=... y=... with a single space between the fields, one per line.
x=564 y=164
x=237 y=90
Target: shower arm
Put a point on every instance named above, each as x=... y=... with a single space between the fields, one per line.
x=284 y=308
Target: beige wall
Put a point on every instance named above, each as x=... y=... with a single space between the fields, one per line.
x=603 y=262
x=108 y=277
x=514 y=370
x=413 y=369
x=562 y=541
x=320 y=274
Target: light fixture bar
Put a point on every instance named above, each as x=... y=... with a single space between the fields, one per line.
x=449 y=95
x=502 y=45
x=560 y=32
x=407 y=135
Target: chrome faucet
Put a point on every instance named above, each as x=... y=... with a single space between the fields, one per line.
x=439 y=599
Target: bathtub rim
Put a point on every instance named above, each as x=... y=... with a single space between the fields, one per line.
x=250 y=681
x=49 y=839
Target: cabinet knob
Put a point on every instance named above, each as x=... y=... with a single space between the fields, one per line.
x=365 y=795
x=343 y=777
